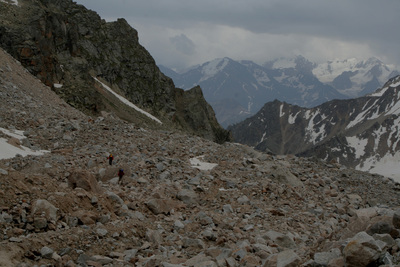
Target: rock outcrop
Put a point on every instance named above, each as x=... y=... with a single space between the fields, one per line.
x=66 y=46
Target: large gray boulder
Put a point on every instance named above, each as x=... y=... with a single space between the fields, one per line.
x=43 y=207
x=361 y=250
x=288 y=258
x=162 y=206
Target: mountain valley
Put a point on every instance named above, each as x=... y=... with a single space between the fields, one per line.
x=75 y=89
x=184 y=200
x=239 y=89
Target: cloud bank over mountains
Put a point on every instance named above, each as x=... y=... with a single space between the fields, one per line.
x=180 y=33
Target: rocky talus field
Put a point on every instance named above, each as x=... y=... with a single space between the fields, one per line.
x=67 y=207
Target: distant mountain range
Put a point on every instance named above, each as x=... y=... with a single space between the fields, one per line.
x=238 y=89
x=361 y=133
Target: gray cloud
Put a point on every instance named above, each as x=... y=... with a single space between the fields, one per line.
x=183 y=44
x=259 y=29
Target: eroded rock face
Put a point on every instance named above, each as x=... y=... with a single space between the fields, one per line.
x=66 y=46
x=66 y=206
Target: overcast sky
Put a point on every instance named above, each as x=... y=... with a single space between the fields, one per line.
x=182 y=33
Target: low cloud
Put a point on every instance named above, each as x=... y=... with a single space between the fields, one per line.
x=183 y=44
x=259 y=29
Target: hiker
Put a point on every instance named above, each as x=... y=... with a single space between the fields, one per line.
x=110 y=159
x=120 y=175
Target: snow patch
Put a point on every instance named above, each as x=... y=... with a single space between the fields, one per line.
x=358 y=144
x=387 y=166
x=394 y=134
x=198 y=163
x=360 y=73
x=395 y=109
x=292 y=119
x=307 y=114
x=127 y=102
x=361 y=116
x=312 y=132
x=12 y=2
x=327 y=72
x=284 y=63
x=261 y=77
x=282 y=77
x=213 y=67
x=8 y=151
x=281 y=113
x=263 y=137
x=15 y=133
x=379 y=93
x=383 y=90
x=378 y=133
x=395 y=85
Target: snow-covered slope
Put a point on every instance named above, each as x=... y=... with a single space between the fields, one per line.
x=381 y=155
x=281 y=63
x=10 y=150
x=362 y=133
x=354 y=77
x=238 y=89
x=127 y=102
x=12 y=2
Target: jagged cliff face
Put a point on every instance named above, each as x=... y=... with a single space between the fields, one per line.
x=361 y=133
x=65 y=45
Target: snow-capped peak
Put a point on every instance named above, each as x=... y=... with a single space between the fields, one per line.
x=392 y=83
x=354 y=77
x=328 y=71
x=281 y=63
x=211 y=68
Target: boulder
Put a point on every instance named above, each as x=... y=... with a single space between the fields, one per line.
x=83 y=179
x=396 y=219
x=379 y=228
x=44 y=207
x=164 y=206
x=187 y=196
x=86 y=217
x=323 y=258
x=200 y=259
x=361 y=250
x=287 y=258
x=283 y=175
x=193 y=243
x=281 y=239
x=46 y=252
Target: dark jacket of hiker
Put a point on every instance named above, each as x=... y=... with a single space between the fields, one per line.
x=110 y=159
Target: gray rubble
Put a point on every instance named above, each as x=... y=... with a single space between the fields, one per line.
x=67 y=207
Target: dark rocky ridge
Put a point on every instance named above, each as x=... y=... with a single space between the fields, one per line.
x=61 y=42
x=324 y=131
